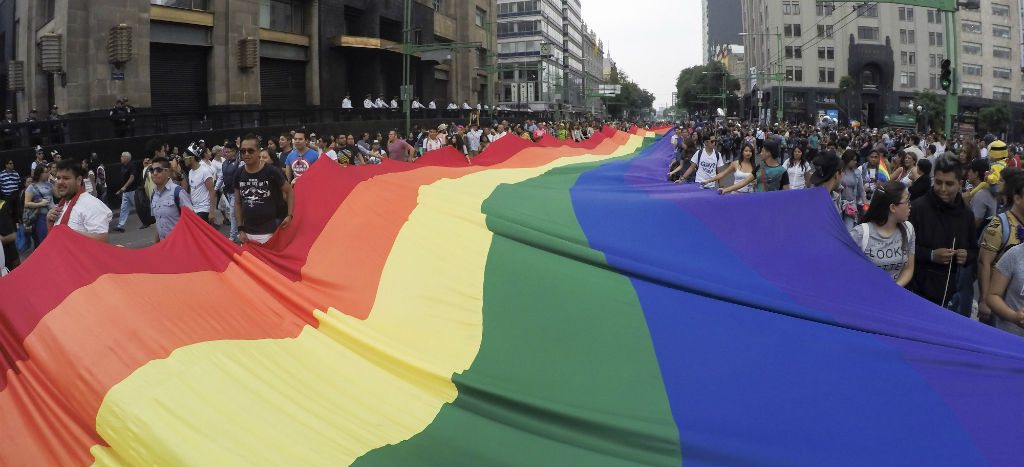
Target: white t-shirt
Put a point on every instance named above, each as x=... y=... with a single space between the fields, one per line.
x=707 y=165
x=89 y=216
x=332 y=155
x=797 y=174
x=197 y=182
x=432 y=144
x=217 y=167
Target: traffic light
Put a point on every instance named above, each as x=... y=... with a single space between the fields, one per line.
x=946 y=78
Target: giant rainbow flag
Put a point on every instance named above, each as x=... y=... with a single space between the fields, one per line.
x=550 y=304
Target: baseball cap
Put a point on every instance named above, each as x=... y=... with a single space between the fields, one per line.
x=825 y=167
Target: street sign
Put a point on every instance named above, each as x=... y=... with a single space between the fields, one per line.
x=406 y=92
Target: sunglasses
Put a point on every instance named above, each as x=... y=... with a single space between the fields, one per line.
x=248 y=150
x=156 y=170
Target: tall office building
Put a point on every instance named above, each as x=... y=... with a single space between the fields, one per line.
x=889 y=51
x=541 y=56
x=719 y=26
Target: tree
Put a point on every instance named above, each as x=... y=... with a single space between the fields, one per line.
x=695 y=84
x=995 y=118
x=632 y=101
x=934 y=108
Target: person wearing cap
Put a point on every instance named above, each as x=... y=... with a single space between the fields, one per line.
x=200 y=183
x=827 y=175
x=119 y=117
x=35 y=130
x=8 y=130
x=56 y=125
x=40 y=159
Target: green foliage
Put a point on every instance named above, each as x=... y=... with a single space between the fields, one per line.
x=934 y=108
x=994 y=118
x=633 y=101
x=695 y=84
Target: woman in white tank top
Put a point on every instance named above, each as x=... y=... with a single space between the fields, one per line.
x=743 y=168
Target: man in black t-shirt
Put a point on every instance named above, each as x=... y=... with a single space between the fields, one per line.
x=259 y=189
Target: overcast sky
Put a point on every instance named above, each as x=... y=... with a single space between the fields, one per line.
x=651 y=40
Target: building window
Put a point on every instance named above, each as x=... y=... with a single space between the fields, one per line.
x=972 y=69
x=1000 y=10
x=794 y=52
x=912 y=58
x=1001 y=52
x=791 y=30
x=791 y=8
x=826 y=75
x=1001 y=32
x=972 y=48
x=934 y=17
x=903 y=58
x=867 y=33
x=971 y=89
x=186 y=4
x=867 y=10
x=933 y=81
x=1001 y=73
x=825 y=30
x=826 y=53
x=825 y=9
x=907 y=36
x=794 y=73
x=907 y=14
x=934 y=60
x=908 y=79
x=1000 y=93
x=283 y=15
x=481 y=17
x=970 y=27
x=935 y=39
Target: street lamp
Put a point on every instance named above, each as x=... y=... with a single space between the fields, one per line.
x=780 y=76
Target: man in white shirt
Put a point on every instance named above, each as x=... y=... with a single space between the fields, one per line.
x=707 y=162
x=416 y=104
x=79 y=210
x=435 y=140
x=473 y=139
x=380 y=104
x=432 y=105
x=465 y=105
x=452 y=106
x=200 y=185
x=394 y=104
x=346 y=103
x=368 y=103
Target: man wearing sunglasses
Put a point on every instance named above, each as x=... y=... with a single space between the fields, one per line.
x=168 y=198
x=263 y=196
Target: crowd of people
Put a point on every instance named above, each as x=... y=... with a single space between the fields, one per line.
x=244 y=185
x=941 y=217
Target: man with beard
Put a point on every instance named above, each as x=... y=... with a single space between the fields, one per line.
x=77 y=209
x=260 y=189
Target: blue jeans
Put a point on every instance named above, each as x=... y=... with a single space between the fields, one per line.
x=39 y=230
x=127 y=204
x=962 y=301
x=230 y=198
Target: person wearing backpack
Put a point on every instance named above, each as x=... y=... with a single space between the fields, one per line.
x=705 y=163
x=168 y=198
x=1002 y=232
x=886 y=237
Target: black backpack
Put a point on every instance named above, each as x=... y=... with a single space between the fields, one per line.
x=143 y=206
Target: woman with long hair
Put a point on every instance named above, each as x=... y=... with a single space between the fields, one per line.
x=743 y=169
x=798 y=168
x=885 y=237
x=38 y=201
x=852 y=194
